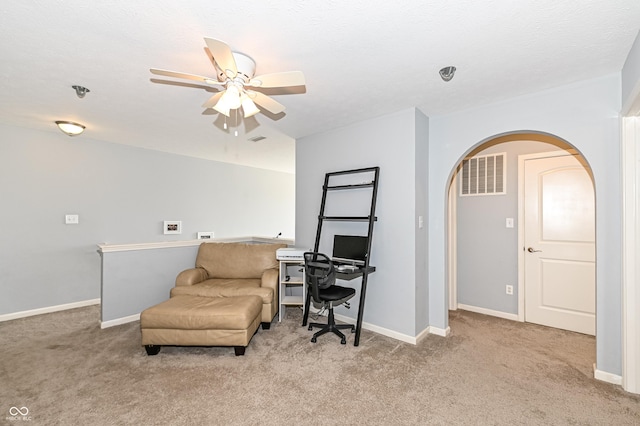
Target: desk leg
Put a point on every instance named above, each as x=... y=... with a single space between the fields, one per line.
x=363 y=291
x=307 y=302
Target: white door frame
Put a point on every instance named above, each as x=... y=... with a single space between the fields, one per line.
x=630 y=176
x=521 y=259
x=630 y=154
x=452 y=244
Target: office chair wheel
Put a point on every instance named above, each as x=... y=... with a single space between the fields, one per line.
x=343 y=341
x=310 y=328
x=313 y=340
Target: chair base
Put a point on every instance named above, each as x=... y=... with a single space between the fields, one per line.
x=331 y=327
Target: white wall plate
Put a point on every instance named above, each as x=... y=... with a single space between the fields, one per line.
x=172 y=227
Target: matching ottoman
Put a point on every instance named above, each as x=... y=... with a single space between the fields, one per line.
x=201 y=321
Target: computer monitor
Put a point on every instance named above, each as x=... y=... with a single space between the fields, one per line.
x=350 y=249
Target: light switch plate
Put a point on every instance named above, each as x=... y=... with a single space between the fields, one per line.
x=71 y=219
x=509 y=222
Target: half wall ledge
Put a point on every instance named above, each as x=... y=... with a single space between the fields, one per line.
x=107 y=248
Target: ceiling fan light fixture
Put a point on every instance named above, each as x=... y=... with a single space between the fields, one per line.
x=229 y=100
x=232 y=97
x=235 y=72
x=249 y=107
x=222 y=107
x=70 y=128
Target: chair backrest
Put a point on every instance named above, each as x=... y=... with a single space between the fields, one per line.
x=237 y=260
x=319 y=272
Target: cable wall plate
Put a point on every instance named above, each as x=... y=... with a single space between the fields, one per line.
x=172 y=227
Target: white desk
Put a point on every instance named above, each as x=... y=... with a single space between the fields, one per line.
x=291 y=280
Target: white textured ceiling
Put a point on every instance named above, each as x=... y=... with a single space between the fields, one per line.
x=361 y=59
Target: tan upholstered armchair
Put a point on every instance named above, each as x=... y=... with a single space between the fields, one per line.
x=234 y=269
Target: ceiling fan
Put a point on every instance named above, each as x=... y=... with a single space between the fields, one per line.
x=235 y=73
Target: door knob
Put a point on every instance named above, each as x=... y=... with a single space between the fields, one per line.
x=531 y=250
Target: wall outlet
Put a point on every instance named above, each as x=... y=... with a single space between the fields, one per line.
x=509 y=290
x=71 y=219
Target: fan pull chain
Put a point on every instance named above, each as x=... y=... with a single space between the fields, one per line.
x=236 y=132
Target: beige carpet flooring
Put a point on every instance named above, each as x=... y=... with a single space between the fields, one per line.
x=67 y=371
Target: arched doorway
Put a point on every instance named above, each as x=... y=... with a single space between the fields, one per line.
x=485 y=262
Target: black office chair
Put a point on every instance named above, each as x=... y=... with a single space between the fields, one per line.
x=321 y=277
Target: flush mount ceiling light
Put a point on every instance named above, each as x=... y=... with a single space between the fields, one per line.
x=447 y=73
x=235 y=73
x=70 y=128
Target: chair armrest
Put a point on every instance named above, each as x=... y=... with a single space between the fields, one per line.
x=191 y=276
x=270 y=280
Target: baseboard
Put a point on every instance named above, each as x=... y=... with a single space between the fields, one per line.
x=378 y=329
x=119 y=321
x=444 y=332
x=606 y=377
x=484 y=311
x=48 y=310
x=390 y=333
x=424 y=333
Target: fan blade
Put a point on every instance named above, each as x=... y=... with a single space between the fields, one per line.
x=278 y=79
x=185 y=76
x=266 y=102
x=223 y=56
x=213 y=100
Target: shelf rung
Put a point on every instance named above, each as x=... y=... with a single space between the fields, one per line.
x=354 y=171
x=355 y=186
x=347 y=218
x=292 y=300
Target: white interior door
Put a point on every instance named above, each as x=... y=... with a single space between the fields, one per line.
x=559 y=244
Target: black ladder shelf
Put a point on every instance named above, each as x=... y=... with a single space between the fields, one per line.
x=365 y=270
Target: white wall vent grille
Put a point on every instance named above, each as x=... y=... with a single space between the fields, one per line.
x=484 y=175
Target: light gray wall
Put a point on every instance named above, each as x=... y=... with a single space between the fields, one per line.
x=422 y=209
x=122 y=195
x=135 y=280
x=631 y=74
x=388 y=142
x=586 y=115
x=487 y=251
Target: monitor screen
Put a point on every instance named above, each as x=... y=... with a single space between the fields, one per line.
x=350 y=249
